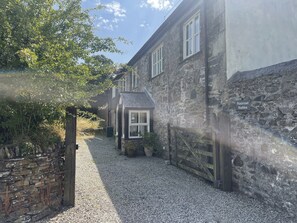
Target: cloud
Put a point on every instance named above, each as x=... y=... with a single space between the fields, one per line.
x=115 y=8
x=114 y=14
x=157 y=4
x=108 y=24
x=144 y=24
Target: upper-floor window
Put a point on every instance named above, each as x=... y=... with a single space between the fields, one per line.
x=114 y=92
x=134 y=77
x=157 y=61
x=127 y=86
x=192 y=36
x=122 y=84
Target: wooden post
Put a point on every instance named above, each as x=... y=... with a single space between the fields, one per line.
x=70 y=157
x=176 y=154
x=225 y=153
x=216 y=151
x=169 y=143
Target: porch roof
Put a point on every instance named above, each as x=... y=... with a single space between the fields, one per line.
x=137 y=100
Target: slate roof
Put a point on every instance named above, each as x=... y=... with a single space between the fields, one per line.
x=137 y=100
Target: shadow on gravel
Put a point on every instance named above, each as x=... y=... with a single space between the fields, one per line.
x=147 y=190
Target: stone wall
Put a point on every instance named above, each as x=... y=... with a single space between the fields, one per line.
x=31 y=187
x=216 y=54
x=264 y=137
x=179 y=92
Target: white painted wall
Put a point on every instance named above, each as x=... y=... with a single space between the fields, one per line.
x=260 y=33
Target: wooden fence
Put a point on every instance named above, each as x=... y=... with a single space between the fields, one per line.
x=206 y=155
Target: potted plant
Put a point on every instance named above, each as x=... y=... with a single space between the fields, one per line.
x=130 y=148
x=150 y=142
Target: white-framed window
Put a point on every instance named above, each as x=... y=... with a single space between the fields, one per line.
x=127 y=87
x=134 y=78
x=157 y=61
x=117 y=121
x=192 y=36
x=139 y=123
x=113 y=92
x=122 y=84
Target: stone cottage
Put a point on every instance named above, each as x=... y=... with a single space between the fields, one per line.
x=212 y=56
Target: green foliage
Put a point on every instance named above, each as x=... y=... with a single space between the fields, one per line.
x=55 y=39
x=56 y=58
x=22 y=120
x=87 y=115
x=131 y=148
x=151 y=139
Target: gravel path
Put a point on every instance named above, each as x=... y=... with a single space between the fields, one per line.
x=114 y=188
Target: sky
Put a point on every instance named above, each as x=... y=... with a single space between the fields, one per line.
x=133 y=20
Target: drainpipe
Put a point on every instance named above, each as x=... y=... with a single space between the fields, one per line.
x=207 y=115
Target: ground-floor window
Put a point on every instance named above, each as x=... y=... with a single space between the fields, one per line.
x=138 y=123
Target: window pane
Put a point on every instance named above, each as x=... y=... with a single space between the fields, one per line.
x=142 y=129
x=190 y=29
x=188 y=48
x=158 y=55
x=143 y=117
x=187 y=32
x=134 y=117
x=197 y=43
x=136 y=80
x=133 y=130
x=158 y=68
x=197 y=26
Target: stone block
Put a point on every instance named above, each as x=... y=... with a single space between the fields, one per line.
x=24 y=194
x=4 y=174
x=238 y=161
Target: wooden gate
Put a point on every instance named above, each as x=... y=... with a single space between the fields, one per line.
x=205 y=155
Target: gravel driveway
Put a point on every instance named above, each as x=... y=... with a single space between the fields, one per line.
x=114 y=188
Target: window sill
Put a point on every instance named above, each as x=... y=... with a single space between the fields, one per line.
x=151 y=78
x=184 y=60
x=191 y=55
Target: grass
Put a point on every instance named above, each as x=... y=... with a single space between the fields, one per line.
x=59 y=129
x=86 y=128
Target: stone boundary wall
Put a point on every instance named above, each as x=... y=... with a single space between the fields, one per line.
x=31 y=187
x=264 y=134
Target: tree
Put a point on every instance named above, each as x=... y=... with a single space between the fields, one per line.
x=54 y=60
x=55 y=40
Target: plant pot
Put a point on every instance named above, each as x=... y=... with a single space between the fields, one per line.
x=130 y=148
x=131 y=152
x=148 y=151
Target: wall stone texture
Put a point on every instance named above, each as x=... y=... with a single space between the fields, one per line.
x=264 y=137
x=216 y=57
x=31 y=187
x=179 y=92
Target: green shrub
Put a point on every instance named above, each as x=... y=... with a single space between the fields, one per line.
x=25 y=121
x=151 y=139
